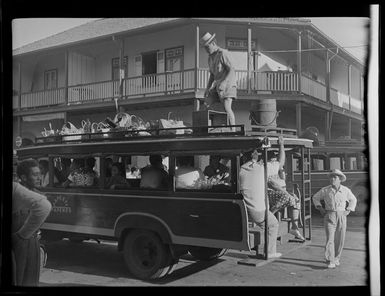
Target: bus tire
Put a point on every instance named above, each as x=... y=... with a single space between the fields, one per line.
x=204 y=253
x=361 y=192
x=146 y=256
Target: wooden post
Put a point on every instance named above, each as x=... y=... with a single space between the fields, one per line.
x=266 y=245
x=299 y=61
x=19 y=97
x=66 y=77
x=298 y=115
x=327 y=127
x=196 y=101
x=249 y=61
x=350 y=128
x=121 y=66
x=350 y=85
x=327 y=76
x=19 y=125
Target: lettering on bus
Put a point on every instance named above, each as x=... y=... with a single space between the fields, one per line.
x=60 y=205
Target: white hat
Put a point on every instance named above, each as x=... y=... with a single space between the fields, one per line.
x=338 y=173
x=206 y=39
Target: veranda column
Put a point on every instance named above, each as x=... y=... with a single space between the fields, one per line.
x=299 y=60
x=249 y=61
x=196 y=101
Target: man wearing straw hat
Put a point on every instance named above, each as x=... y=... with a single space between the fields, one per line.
x=335 y=197
x=222 y=85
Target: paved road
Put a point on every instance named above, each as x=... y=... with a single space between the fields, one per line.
x=90 y=264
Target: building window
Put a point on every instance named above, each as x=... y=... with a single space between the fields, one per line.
x=50 y=79
x=174 y=59
x=116 y=67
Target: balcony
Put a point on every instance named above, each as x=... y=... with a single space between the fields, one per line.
x=163 y=84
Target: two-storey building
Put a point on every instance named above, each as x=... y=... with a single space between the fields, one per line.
x=151 y=66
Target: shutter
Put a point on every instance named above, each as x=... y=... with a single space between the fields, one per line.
x=160 y=61
x=138 y=65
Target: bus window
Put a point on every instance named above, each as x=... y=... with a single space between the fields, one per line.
x=203 y=172
x=83 y=172
x=137 y=172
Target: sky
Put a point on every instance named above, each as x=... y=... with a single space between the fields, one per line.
x=346 y=31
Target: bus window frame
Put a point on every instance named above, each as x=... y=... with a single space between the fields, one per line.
x=232 y=155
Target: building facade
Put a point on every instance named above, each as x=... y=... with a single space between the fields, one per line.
x=150 y=67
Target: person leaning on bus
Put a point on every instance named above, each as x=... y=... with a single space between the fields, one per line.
x=252 y=187
x=335 y=197
x=29 y=211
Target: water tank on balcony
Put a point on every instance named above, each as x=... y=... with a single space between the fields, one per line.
x=264 y=113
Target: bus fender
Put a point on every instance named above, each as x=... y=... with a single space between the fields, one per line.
x=129 y=221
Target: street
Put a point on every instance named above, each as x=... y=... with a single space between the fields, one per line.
x=93 y=264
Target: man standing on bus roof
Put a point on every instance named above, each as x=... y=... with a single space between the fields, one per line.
x=335 y=197
x=222 y=84
x=29 y=211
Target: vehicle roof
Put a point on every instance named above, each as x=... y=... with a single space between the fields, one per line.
x=146 y=145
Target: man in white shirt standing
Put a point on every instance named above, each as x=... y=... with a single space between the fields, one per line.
x=29 y=211
x=335 y=197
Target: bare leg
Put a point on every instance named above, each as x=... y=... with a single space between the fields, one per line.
x=294 y=215
x=227 y=104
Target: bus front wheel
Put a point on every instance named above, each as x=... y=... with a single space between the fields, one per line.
x=146 y=256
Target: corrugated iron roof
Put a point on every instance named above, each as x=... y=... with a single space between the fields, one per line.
x=109 y=26
x=91 y=30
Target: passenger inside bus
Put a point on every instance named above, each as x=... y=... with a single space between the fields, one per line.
x=108 y=165
x=118 y=177
x=78 y=175
x=216 y=168
x=134 y=173
x=279 y=198
x=154 y=176
x=89 y=169
x=186 y=176
x=65 y=169
x=43 y=165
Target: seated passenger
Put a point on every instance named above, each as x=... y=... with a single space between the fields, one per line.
x=78 y=175
x=279 y=198
x=89 y=169
x=108 y=165
x=134 y=173
x=154 y=176
x=216 y=168
x=186 y=176
x=65 y=169
x=44 y=170
x=118 y=178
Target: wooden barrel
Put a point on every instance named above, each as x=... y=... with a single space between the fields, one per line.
x=264 y=112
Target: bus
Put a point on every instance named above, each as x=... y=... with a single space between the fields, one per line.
x=155 y=226
x=348 y=156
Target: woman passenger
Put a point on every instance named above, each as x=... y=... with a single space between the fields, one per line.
x=118 y=178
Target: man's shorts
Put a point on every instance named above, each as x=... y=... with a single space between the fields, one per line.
x=279 y=200
x=216 y=96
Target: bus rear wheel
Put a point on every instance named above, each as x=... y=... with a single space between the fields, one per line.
x=204 y=253
x=146 y=256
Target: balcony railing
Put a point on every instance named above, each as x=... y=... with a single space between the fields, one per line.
x=181 y=82
x=313 y=88
x=43 y=98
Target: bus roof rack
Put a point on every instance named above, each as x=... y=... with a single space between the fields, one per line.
x=257 y=130
x=131 y=134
